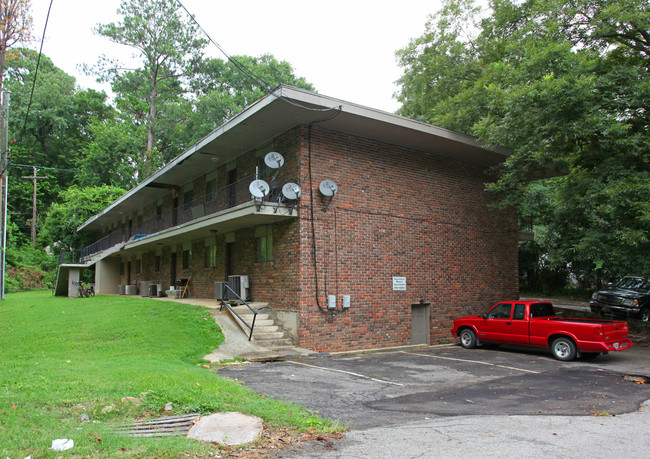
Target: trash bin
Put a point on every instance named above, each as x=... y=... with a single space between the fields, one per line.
x=180 y=283
x=121 y=290
x=153 y=290
x=144 y=288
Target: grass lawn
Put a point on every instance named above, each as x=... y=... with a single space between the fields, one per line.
x=61 y=358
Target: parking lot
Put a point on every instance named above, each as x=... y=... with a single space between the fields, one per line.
x=381 y=389
x=499 y=400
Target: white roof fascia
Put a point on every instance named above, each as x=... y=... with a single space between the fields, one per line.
x=297 y=94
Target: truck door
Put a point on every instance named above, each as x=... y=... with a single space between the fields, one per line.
x=495 y=327
x=519 y=331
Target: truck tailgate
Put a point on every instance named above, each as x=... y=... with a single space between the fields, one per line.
x=617 y=331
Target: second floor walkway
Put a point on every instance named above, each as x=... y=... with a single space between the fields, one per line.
x=225 y=209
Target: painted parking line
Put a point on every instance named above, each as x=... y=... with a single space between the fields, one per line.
x=472 y=361
x=383 y=381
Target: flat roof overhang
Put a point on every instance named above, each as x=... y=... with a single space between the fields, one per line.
x=283 y=109
x=243 y=216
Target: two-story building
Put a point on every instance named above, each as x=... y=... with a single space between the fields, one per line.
x=385 y=235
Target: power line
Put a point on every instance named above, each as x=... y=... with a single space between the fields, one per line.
x=38 y=63
x=260 y=81
x=266 y=86
x=43 y=167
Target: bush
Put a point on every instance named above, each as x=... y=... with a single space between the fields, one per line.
x=25 y=278
x=29 y=268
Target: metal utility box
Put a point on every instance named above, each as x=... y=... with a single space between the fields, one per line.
x=144 y=288
x=220 y=291
x=345 y=304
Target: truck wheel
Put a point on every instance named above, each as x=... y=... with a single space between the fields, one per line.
x=564 y=349
x=644 y=315
x=468 y=338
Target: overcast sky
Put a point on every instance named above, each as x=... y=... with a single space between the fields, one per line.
x=346 y=49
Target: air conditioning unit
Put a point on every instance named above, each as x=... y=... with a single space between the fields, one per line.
x=240 y=285
x=221 y=292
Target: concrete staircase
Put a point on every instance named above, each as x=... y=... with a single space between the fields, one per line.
x=267 y=332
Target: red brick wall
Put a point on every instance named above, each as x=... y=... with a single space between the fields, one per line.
x=397 y=213
x=274 y=282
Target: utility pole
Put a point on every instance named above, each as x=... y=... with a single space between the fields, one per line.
x=34 y=178
x=4 y=164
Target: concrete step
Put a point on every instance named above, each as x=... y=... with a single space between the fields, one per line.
x=268 y=336
x=249 y=317
x=266 y=328
x=258 y=323
x=263 y=322
x=273 y=344
x=267 y=332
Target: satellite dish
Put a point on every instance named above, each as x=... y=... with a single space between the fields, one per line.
x=328 y=187
x=259 y=188
x=274 y=160
x=291 y=191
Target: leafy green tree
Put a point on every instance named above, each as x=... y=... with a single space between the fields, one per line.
x=112 y=157
x=564 y=84
x=50 y=134
x=222 y=90
x=168 y=49
x=75 y=206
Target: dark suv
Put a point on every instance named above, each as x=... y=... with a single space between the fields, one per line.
x=630 y=296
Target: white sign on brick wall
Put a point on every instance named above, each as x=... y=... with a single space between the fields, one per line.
x=399 y=283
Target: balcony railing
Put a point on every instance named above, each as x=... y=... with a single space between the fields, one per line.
x=217 y=201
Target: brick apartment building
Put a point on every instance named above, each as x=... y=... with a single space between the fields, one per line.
x=405 y=244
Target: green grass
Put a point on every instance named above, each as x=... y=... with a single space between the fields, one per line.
x=61 y=358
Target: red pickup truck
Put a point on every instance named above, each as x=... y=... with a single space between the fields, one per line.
x=535 y=324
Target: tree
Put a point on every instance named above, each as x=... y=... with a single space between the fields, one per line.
x=15 y=26
x=75 y=206
x=222 y=89
x=168 y=49
x=54 y=135
x=564 y=84
x=112 y=156
x=56 y=128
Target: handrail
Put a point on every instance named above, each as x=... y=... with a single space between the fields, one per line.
x=250 y=327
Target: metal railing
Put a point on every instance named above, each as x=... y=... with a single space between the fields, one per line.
x=232 y=311
x=211 y=203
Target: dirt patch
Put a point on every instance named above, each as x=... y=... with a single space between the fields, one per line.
x=273 y=441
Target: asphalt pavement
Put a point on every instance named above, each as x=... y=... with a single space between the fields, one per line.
x=496 y=436
x=449 y=401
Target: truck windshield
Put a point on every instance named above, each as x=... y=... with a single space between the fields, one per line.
x=541 y=310
x=632 y=283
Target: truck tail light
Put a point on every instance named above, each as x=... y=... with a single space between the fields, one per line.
x=599 y=330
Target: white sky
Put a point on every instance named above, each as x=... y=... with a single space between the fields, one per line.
x=346 y=49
